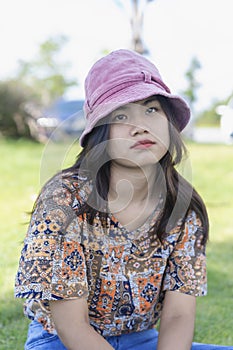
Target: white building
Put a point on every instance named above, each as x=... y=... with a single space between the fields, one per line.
x=226 y=121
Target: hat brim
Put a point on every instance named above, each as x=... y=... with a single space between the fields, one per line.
x=130 y=94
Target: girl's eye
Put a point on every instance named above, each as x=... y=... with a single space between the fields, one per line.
x=119 y=117
x=151 y=110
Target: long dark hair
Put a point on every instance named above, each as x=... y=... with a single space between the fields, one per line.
x=180 y=196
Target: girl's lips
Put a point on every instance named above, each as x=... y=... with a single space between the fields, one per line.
x=143 y=144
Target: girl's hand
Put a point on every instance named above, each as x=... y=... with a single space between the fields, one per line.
x=73 y=327
x=177 y=322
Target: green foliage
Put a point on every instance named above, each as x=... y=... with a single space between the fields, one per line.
x=37 y=84
x=20 y=182
x=208 y=117
x=193 y=84
x=45 y=74
x=13 y=117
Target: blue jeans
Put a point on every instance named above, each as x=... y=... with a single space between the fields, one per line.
x=38 y=339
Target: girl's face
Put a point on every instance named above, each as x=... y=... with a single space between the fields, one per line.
x=139 y=133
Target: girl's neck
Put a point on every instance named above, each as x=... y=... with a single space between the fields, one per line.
x=132 y=195
x=131 y=185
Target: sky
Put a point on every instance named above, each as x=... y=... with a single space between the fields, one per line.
x=174 y=32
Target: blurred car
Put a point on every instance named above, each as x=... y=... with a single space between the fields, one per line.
x=63 y=118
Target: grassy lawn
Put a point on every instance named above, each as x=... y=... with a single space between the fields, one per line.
x=24 y=168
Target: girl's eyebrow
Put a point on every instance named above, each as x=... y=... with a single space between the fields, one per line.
x=124 y=107
x=150 y=99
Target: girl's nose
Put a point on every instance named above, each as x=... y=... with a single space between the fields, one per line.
x=138 y=130
x=138 y=127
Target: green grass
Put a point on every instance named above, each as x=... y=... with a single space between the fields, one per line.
x=213 y=178
x=24 y=168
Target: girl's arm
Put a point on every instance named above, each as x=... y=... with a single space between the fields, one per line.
x=73 y=327
x=177 y=322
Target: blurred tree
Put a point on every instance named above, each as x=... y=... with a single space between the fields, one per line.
x=209 y=117
x=45 y=74
x=13 y=116
x=136 y=14
x=36 y=84
x=193 y=84
x=191 y=94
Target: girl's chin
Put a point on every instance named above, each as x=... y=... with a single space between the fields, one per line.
x=133 y=164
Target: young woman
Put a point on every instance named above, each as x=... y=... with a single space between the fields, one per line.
x=117 y=242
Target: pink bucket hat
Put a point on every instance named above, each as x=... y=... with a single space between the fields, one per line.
x=121 y=77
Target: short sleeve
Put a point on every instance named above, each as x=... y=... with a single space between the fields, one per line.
x=186 y=269
x=52 y=264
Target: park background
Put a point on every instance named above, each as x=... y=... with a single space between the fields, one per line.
x=175 y=34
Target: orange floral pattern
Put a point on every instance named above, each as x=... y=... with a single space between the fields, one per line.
x=123 y=275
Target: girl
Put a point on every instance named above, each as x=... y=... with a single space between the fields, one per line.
x=117 y=242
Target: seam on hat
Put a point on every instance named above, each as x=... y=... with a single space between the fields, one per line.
x=129 y=82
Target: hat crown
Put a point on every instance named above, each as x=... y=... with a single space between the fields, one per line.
x=116 y=71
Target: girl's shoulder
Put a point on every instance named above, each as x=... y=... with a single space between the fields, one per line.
x=190 y=226
x=67 y=184
x=187 y=236
x=192 y=218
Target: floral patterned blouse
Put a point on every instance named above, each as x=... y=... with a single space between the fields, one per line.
x=123 y=275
